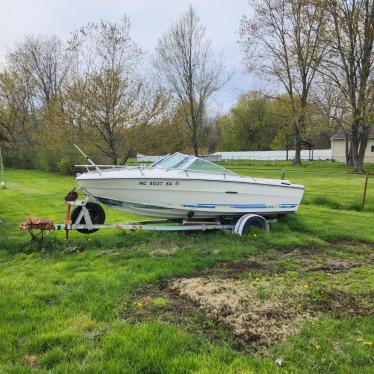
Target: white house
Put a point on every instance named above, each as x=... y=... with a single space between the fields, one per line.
x=338 y=148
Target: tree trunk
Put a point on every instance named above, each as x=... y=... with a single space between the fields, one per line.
x=358 y=147
x=125 y=157
x=350 y=160
x=357 y=159
x=361 y=149
x=297 y=159
x=358 y=165
x=194 y=141
x=346 y=149
x=113 y=154
x=299 y=126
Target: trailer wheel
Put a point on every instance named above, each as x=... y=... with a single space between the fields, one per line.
x=97 y=215
x=248 y=220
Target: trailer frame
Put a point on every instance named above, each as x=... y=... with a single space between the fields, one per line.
x=237 y=227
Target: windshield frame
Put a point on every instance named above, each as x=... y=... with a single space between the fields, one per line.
x=160 y=160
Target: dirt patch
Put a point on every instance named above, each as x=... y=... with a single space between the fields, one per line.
x=236 y=270
x=274 y=263
x=256 y=319
x=164 y=304
x=302 y=253
x=243 y=267
x=338 y=302
x=262 y=312
x=255 y=303
x=348 y=242
x=247 y=314
x=331 y=259
x=332 y=265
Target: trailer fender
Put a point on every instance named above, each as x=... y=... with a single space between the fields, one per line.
x=250 y=220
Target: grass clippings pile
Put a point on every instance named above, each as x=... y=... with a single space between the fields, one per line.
x=264 y=299
x=244 y=307
x=257 y=302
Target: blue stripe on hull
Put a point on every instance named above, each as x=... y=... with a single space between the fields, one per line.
x=287 y=205
x=118 y=203
x=242 y=206
x=207 y=206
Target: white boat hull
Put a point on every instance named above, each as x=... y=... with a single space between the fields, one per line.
x=177 y=195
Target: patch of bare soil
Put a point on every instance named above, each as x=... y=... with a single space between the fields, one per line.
x=231 y=269
x=331 y=265
x=348 y=242
x=321 y=259
x=338 y=302
x=239 y=306
x=163 y=304
x=257 y=302
x=263 y=312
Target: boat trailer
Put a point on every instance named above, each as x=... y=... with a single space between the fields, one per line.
x=83 y=223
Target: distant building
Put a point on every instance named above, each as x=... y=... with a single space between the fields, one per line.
x=338 y=147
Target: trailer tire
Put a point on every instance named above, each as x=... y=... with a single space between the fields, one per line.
x=97 y=215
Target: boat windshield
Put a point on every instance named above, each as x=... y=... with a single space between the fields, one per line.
x=183 y=162
x=169 y=162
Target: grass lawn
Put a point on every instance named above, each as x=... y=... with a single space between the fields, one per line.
x=297 y=299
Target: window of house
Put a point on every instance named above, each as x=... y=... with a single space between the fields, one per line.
x=372 y=148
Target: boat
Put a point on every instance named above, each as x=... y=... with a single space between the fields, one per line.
x=181 y=187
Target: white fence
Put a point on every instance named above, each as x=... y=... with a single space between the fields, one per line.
x=318 y=154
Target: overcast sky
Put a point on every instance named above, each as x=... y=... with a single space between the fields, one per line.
x=149 y=19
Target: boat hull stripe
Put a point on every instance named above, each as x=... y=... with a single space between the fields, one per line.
x=119 y=203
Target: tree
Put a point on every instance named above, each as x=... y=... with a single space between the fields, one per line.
x=167 y=135
x=349 y=65
x=39 y=68
x=108 y=98
x=43 y=63
x=249 y=126
x=333 y=111
x=15 y=120
x=283 y=40
x=185 y=59
x=282 y=112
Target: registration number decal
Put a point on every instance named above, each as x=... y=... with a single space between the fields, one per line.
x=158 y=183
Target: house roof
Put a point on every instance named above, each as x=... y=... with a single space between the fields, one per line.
x=341 y=136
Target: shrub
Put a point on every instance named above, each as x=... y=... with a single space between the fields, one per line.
x=66 y=166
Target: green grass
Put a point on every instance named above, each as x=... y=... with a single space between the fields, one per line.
x=63 y=312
